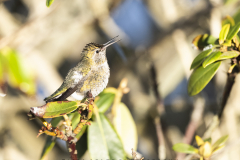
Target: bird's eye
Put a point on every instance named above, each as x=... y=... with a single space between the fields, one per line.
x=97 y=51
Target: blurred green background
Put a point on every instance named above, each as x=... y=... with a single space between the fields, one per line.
x=156 y=36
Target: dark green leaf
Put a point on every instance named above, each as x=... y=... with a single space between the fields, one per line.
x=213 y=57
x=224 y=32
x=103 y=141
x=49 y=2
x=219 y=142
x=236 y=16
x=199 y=59
x=200 y=78
x=184 y=148
x=81 y=145
x=203 y=40
x=228 y=55
x=55 y=109
x=55 y=121
x=233 y=31
x=104 y=102
x=50 y=143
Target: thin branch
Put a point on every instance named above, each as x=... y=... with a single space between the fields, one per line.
x=231 y=75
x=72 y=149
x=160 y=109
x=161 y=141
x=160 y=105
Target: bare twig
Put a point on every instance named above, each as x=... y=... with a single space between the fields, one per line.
x=230 y=81
x=160 y=109
x=160 y=105
x=161 y=141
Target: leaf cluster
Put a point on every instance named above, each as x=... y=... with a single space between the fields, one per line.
x=204 y=150
x=215 y=50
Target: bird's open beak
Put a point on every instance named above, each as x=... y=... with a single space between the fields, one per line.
x=112 y=41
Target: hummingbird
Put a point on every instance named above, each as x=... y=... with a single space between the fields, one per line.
x=90 y=75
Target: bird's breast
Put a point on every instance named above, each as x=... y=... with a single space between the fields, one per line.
x=96 y=80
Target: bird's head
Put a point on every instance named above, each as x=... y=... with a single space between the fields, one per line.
x=97 y=52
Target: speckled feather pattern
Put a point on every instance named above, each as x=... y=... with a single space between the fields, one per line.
x=92 y=72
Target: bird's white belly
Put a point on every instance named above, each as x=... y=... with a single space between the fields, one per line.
x=77 y=96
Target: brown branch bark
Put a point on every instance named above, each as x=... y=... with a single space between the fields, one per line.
x=230 y=81
x=231 y=75
x=72 y=149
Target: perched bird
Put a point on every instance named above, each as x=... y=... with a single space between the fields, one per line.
x=90 y=75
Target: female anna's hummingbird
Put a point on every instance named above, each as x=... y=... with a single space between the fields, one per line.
x=90 y=74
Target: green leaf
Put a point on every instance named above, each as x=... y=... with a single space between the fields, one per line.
x=55 y=109
x=200 y=78
x=13 y=67
x=208 y=140
x=97 y=145
x=185 y=148
x=1 y=69
x=81 y=145
x=75 y=118
x=219 y=142
x=49 y=2
x=236 y=16
x=199 y=59
x=228 y=20
x=228 y=55
x=233 y=31
x=103 y=141
x=3 y=86
x=216 y=56
x=79 y=135
x=50 y=143
x=227 y=43
x=19 y=74
x=125 y=127
x=104 y=102
x=228 y=2
x=213 y=57
x=114 y=144
x=203 y=40
x=224 y=32
x=55 y=121
x=109 y=90
x=28 y=84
